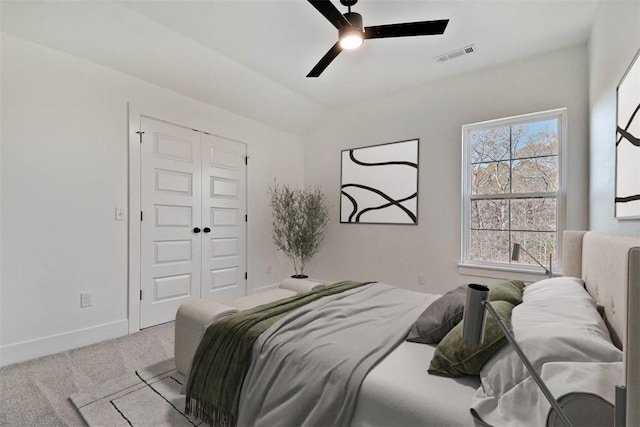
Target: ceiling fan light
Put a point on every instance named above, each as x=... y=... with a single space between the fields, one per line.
x=351 y=38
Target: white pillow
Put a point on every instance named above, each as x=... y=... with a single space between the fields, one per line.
x=557 y=324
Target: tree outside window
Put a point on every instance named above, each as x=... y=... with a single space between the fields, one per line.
x=512 y=188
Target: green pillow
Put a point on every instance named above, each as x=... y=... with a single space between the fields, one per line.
x=509 y=290
x=455 y=358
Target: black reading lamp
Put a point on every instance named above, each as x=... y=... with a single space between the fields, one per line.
x=515 y=256
x=473 y=330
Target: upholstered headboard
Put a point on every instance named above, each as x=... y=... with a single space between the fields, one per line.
x=609 y=264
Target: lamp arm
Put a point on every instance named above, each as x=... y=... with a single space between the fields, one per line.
x=546 y=270
x=547 y=393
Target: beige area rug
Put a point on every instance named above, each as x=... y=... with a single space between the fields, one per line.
x=150 y=397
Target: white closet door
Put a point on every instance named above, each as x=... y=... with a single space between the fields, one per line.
x=172 y=207
x=223 y=218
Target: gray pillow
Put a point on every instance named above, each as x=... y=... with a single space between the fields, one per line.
x=439 y=318
x=446 y=312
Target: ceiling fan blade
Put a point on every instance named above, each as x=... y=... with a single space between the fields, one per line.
x=325 y=61
x=329 y=11
x=423 y=28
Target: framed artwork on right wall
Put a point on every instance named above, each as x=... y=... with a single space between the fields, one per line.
x=627 y=196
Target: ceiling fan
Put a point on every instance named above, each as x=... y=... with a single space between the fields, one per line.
x=351 y=33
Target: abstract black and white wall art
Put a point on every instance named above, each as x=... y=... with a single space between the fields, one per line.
x=380 y=184
x=627 y=199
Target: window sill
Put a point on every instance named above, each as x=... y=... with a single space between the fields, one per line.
x=504 y=273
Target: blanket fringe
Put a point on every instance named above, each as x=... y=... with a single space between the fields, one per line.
x=208 y=413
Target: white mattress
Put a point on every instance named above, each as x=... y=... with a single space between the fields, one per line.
x=400 y=392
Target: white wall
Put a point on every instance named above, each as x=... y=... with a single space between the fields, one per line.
x=615 y=39
x=64 y=170
x=435 y=113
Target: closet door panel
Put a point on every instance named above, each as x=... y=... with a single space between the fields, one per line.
x=171 y=193
x=223 y=212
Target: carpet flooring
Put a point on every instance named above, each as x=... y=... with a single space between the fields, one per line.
x=36 y=392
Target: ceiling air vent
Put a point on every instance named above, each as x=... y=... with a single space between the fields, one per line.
x=456 y=53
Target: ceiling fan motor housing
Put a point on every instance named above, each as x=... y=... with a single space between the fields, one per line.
x=355 y=19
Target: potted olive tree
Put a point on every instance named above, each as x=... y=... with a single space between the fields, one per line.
x=299 y=219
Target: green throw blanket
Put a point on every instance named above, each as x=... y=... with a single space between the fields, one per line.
x=224 y=355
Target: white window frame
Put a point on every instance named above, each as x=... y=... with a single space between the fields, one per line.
x=465 y=261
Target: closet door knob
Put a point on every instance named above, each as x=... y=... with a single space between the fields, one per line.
x=196 y=230
x=206 y=229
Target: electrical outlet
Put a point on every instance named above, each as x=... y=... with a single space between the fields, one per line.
x=421 y=279
x=86 y=299
x=268 y=268
x=121 y=214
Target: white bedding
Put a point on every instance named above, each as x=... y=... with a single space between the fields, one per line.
x=559 y=329
x=400 y=392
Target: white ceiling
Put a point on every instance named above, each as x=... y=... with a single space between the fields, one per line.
x=251 y=57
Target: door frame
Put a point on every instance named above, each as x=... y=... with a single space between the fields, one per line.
x=135 y=112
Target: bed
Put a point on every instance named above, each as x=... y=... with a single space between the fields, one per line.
x=399 y=391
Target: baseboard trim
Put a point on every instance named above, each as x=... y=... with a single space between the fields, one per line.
x=27 y=350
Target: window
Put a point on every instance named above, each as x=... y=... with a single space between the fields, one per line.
x=513 y=190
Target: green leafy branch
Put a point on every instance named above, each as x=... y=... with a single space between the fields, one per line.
x=299 y=220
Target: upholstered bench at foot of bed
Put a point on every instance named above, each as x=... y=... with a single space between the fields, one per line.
x=195 y=315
